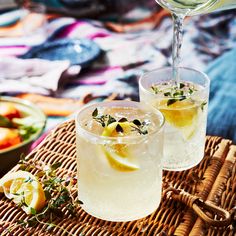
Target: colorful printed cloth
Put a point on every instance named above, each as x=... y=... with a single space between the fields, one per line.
x=129 y=49
x=222 y=107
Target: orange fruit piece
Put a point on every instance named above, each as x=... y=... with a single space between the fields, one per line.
x=9 y=137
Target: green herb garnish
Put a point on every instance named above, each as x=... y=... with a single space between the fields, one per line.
x=137 y=122
x=167 y=94
x=203 y=105
x=29 y=180
x=190 y=91
x=141 y=127
x=58 y=192
x=105 y=120
x=171 y=101
x=155 y=89
x=110 y=120
x=95 y=113
x=123 y=120
x=175 y=93
x=119 y=129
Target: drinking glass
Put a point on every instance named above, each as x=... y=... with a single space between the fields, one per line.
x=192 y=7
x=184 y=106
x=119 y=169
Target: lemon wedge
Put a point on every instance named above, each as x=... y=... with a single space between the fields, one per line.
x=23 y=187
x=181 y=114
x=118 y=155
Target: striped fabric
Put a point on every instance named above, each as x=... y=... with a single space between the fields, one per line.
x=133 y=48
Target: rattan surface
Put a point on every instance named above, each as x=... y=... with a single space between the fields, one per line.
x=213 y=179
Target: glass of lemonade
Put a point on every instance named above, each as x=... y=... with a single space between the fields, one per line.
x=119 y=148
x=184 y=105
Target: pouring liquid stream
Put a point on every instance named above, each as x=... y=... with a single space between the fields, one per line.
x=179 y=10
x=176 y=46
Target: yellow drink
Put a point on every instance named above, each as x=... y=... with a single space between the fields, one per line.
x=119 y=173
x=185 y=112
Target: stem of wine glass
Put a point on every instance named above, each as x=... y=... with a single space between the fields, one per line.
x=178 y=21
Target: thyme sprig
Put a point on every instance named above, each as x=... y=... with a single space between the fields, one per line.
x=58 y=192
x=203 y=104
x=105 y=120
x=140 y=127
x=175 y=92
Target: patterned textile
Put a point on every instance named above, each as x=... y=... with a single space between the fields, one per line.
x=222 y=106
x=133 y=47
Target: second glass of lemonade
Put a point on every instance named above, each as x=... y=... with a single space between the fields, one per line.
x=119 y=147
x=184 y=105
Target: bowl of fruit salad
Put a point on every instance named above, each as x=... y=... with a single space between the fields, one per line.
x=21 y=123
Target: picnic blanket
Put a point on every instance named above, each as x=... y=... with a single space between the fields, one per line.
x=131 y=48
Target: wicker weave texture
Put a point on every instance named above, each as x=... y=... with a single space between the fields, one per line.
x=213 y=179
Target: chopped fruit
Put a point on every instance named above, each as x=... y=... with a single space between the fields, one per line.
x=9 y=111
x=181 y=114
x=118 y=155
x=9 y=137
x=25 y=190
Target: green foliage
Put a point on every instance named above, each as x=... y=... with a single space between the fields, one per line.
x=58 y=195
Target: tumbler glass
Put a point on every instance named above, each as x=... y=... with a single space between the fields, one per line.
x=119 y=152
x=184 y=105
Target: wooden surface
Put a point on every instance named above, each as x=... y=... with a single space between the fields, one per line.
x=213 y=179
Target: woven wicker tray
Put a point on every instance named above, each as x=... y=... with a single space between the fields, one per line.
x=213 y=179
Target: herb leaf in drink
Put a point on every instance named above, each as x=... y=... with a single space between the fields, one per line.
x=106 y=120
x=203 y=105
x=175 y=93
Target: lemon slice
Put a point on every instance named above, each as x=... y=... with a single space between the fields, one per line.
x=118 y=155
x=23 y=187
x=181 y=114
x=119 y=162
